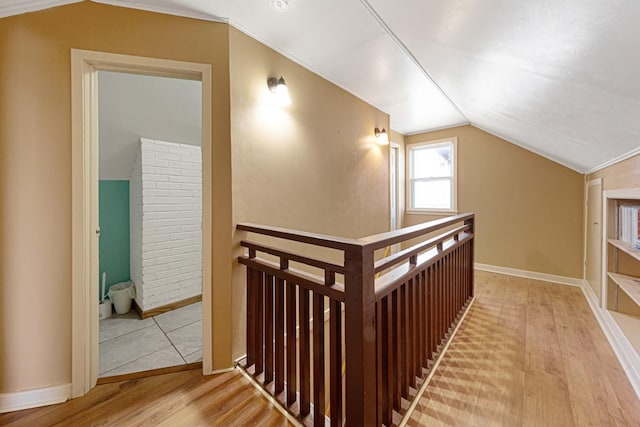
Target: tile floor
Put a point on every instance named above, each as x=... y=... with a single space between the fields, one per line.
x=128 y=344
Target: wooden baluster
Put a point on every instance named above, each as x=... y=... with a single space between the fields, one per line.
x=397 y=349
x=412 y=331
x=390 y=367
x=318 y=361
x=279 y=332
x=434 y=312
x=304 y=348
x=259 y=341
x=439 y=302
x=425 y=295
x=380 y=362
x=268 y=329
x=449 y=261
x=252 y=279
x=457 y=282
x=471 y=223
x=404 y=324
x=291 y=343
x=421 y=322
x=335 y=362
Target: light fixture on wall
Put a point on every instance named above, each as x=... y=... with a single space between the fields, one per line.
x=279 y=88
x=381 y=135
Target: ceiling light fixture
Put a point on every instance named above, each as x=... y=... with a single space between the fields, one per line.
x=280 y=5
x=279 y=88
x=383 y=137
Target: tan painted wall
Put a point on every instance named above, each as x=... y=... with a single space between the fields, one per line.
x=35 y=171
x=528 y=209
x=311 y=166
x=625 y=174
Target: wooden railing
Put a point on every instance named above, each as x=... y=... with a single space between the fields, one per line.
x=387 y=319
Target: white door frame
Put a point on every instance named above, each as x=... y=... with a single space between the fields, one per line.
x=84 y=201
x=398 y=192
x=597 y=181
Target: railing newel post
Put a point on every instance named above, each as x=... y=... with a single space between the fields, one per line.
x=360 y=336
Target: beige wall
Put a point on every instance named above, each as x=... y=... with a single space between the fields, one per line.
x=625 y=174
x=35 y=171
x=528 y=209
x=312 y=166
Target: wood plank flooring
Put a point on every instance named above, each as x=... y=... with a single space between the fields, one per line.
x=529 y=353
x=177 y=399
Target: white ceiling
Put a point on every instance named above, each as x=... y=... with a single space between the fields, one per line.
x=561 y=78
x=132 y=106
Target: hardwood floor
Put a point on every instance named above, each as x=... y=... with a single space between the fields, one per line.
x=529 y=353
x=177 y=399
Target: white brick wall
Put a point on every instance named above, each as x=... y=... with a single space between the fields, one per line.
x=170 y=253
x=135 y=221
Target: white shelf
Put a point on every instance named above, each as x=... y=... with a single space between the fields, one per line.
x=629 y=326
x=626 y=248
x=630 y=285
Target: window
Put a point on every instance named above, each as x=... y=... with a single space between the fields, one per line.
x=432 y=176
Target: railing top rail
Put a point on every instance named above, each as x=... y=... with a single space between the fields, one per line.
x=378 y=241
x=322 y=240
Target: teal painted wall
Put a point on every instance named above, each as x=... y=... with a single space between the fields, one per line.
x=114 y=232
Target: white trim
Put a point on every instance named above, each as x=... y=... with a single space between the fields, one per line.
x=615 y=160
x=597 y=181
x=624 y=351
x=563 y=280
x=163 y=10
x=32 y=6
x=453 y=141
x=84 y=333
x=19 y=400
x=432 y=212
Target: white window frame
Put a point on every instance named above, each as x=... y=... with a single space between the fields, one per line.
x=453 y=141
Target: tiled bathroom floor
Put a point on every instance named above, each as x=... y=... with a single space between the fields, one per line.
x=128 y=344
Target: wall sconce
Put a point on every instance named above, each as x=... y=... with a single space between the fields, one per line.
x=382 y=136
x=279 y=88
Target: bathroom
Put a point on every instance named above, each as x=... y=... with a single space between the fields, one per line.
x=150 y=218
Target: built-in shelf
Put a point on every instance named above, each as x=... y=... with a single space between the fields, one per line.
x=626 y=248
x=629 y=326
x=630 y=285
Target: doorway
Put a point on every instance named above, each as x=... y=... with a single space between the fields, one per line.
x=150 y=216
x=593 y=236
x=85 y=66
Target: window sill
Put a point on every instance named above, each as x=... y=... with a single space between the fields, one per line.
x=431 y=212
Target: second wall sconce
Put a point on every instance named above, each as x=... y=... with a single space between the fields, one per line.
x=382 y=136
x=279 y=88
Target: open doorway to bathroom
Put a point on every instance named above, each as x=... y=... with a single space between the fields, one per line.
x=150 y=221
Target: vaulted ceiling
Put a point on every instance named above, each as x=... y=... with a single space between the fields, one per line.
x=560 y=78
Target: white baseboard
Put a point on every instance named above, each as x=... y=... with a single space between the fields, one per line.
x=10 y=402
x=563 y=280
x=626 y=354
x=624 y=351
